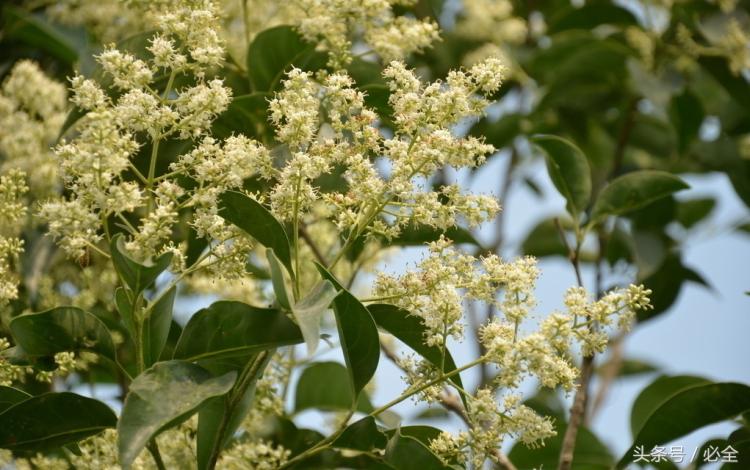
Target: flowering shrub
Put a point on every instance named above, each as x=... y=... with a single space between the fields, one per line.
x=275 y=157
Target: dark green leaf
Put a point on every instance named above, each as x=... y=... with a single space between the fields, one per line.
x=156 y=326
x=686 y=114
x=62 y=329
x=274 y=51
x=736 y=86
x=692 y=211
x=246 y=114
x=590 y=16
x=409 y=329
x=687 y=410
x=362 y=435
x=229 y=329
x=589 y=453
x=656 y=393
x=666 y=283
x=36 y=31
x=9 y=396
x=326 y=386
x=161 y=397
x=220 y=417
x=357 y=333
x=412 y=235
x=250 y=215
x=568 y=169
x=634 y=190
x=544 y=240
x=137 y=276
x=407 y=453
x=52 y=420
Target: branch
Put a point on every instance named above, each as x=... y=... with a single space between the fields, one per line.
x=577 y=413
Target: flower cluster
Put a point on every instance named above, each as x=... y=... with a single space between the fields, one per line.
x=492 y=21
x=12 y=219
x=326 y=124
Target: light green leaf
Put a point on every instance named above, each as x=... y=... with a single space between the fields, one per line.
x=309 y=311
x=634 y=190
x=326 y=386
x=51 y=420
x=161 y=397
x=62 y=329
x=278 y=281
x=568 y=169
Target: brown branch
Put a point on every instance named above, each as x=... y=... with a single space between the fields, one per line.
x=577 y=413
x=313 y=247
x=608 y=375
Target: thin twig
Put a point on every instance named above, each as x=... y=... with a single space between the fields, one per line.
x=607 y=376
x=313 y=247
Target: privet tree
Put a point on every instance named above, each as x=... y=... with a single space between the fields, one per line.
x=275 y=157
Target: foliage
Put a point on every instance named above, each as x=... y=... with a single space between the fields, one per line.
x=274 y=158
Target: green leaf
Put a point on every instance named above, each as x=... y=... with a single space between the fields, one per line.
x=220 y=417
x=37 y=32
x=409 y=329
x=666 y=283
x=692 y=211
x=656 y=393
x=309 y=311
x=161 y=397
x=362 y=435
x=357 y=333
x=407 y=453
x=412 y=235
x=326 y=386
x=736 y=86
x=544 y=240
x=250 y=215
x=157 y=325
x=246 y=114
x=62 y=329
x=230 y=329
x=278 y=281
x=52 y=420
x=686 y=114
x=9 y=396
x=274 y=51
x=125 y=308
x=634 y=190
x=137 y=276
x=687 y=410
x=568 y=169
x=589 y=17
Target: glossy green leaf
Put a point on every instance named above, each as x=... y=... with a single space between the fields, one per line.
x=362 y=435
x=52 y=420
x=278 y=281
x=220 y=417
x=246 y=114
x=687 y=410
x=137 y=276
x=589 y=453
x=274 y=51
x=407 y=453
x=156 y=326
x=124 y=306
x=62 y=329
x=568 y=169
x=634 y=190
x=357 y=333
x=412 y=235
x=309 y=311
x=9 y=396
x=229 y=329
x=326 y=386
x=656 y=393
x=164 y=396
x=409 y=329
x=250 y=215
